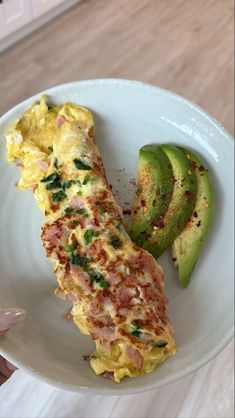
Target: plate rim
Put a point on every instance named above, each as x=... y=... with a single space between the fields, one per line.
x=227 y=336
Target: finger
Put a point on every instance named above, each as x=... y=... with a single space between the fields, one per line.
x=6 y=368
x=9 y=317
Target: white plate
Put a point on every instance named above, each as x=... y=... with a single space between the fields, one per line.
x=128 y=114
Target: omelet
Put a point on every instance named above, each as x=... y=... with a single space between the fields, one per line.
x=117 y=288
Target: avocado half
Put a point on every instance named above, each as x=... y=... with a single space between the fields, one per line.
x=188 y=244
x=155 y=187
x=169 y=225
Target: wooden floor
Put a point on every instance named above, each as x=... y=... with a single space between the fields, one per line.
x=181 y=45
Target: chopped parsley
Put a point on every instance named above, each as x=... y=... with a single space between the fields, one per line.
x=56 y=163
x=58 y=196
x=102 y=210
x=68 y=183
x=74 y=223
x=160 y=344
x=97 y=203
x=54 y=185
x=89 y=234
x=81 y=261
x=50 y=149
x=86 y=179
x=71 y=247
x=115 y=241
x=51 y=177
x=69 y=210
x=136 y=332
x=97 y=277
x=80 y=211
x=79 y=193
x=81 y=165
x=118 y=226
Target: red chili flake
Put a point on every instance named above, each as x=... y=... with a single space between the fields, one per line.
x=187 y=193
x=143 y=202
x=126 y=212
x=85 y=357
x=199 y=223
x=154 y=202
x=111 y=186
x=194 y=164
x=195 y=214
x=201 y=168
x=159 y=223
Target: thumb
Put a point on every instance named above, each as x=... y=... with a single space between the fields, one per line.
x=10 y=316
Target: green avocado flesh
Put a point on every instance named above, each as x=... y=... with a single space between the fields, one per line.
x=188 y=244
x=166 y=228
x=155 y=187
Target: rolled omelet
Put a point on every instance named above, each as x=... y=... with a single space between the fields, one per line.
x=117 y=289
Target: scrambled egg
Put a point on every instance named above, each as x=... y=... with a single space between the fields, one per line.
x=46 y=142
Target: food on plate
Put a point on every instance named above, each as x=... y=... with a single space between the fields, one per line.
x=165 y=228
x=187 y=246
x=155 y=187
x=117 y=288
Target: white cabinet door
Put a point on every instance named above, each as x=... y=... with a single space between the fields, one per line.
x=13 y=15
x=42 y=6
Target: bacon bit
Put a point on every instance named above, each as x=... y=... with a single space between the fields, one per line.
x=201 y=168
x=86 y=357
x=199 y=223
x=67 y=315
x=189 y=172
x=43 y=165
x=59 y=121
x=187 y=193
x=126 y=212
x=100 y=333
x=134 y=356
x=194 y=164
x=143 y=202
x=195 y=214
x=207 y=205
x=76 y=203
x=159 y=223
x=108 y=375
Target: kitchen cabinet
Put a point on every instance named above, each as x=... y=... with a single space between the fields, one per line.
x=42 y=6
x=14 y=14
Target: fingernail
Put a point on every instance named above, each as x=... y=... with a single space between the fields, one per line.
x=9 y=317
x=10 y=366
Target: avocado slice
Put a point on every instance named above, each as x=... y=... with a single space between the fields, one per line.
x=166 y=228
x=155 y=187
x=187 y=246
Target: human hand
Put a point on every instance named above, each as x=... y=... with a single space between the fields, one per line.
x=8 y=318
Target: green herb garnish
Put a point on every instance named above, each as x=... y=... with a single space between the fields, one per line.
x=74 y=223
x=79 y=193
x=69 y=210
x=89 y=234
x=50 y=107
x=86 y=179
x=136 y=333
x=102 y=210
x=71 y=247
x=80 y=165
x=97 y=277
x=51 y=177
x=68 y=183
x=160 y=344
x=58 y=196
x=97 y=203
x=115 y=241
x=81 y=261
x=56 y=163
x=54 y=185
x=50 y=149
x=118 y=226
